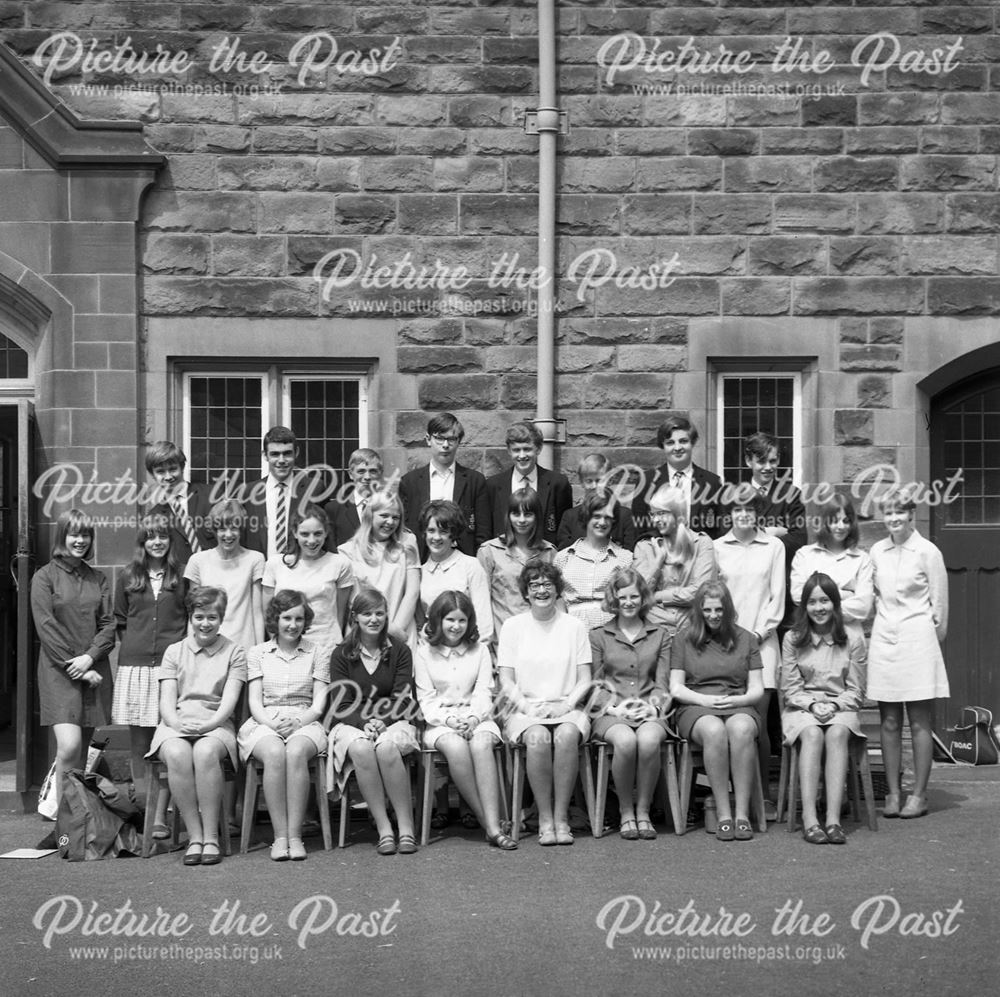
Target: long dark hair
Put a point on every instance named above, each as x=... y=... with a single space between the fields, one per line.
x=366 y=600
x=136 y=573
x=698 y=633
x=447 y=602
x=801 y=631
x=292 y=556
x=523 y=500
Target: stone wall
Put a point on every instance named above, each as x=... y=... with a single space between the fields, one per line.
x=870 y=198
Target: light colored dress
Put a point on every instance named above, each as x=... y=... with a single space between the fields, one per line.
x=201 y=674
x=236 y=576
x=544 y=656
x=454 y=680
x=905 y=663
x=754 y=573
x=387 y=576
x=503 y=566
x=459 y=573
x=586 y=572
x=822 y=672
x=319 y=579
x=674 y=585
x=287 y=686
x=852 y=570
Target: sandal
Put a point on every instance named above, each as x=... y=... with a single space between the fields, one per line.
x=469 y=821
x=502 y=841
x=386 y=845
x=547 y=836
x=564 y=835
x=279 y=850
x=646 y=830
x=724 y=829
x=835 y=834
x=629 y=830
x=744 y=829
x=439 y=821
x=815 y=835
x=213 y=857
x=192 y=857
x=160 y=832
x=407 y=844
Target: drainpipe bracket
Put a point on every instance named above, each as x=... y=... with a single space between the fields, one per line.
x=552 y=430
x=546 y=119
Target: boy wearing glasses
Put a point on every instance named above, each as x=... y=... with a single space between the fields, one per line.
x=445 y=478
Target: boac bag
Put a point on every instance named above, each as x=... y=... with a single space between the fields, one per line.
x=974 y=741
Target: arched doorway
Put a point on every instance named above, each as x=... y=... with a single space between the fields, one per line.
x=965 y=436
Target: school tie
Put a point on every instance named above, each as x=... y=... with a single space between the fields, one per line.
x=525 y=481
x=183 y=520
x=678 y=479
x=281 y=520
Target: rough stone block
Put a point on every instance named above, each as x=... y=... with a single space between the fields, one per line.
x=966 y=255
x=431 y=141
x=781 y=255
x=973 y=212
x=352 y=141
x=266 y=173
x=650 y=142
x=950 y=139
x=166 y=253
x=468 y=173
x=248 y=255
x=847 y=173
x=830 y=111
x=190 y=172
x=230 y=296
x=940 y=173
x=970 y=108
x=896 y=109
x=456 y=391
x=885 y=330
x=594 y=430
x=858 y=295
x=895 y=214
x=364 y=213
x=272 y=138
x=814 y=212
x=604 y=110
x=963 y=296
x=886 y=358
x=685 y=296
x=478 y=21
x=875 y=392
x=588 y=214
x=424 y=111
x=281 y=212
x=509 y=214
x=731 y=213
x=853 y=330
x=479 y=112
x=430 y=214
x=872 y=141
x=802 y=141
x=756 y=296
x=861 y=462
x=439 y=359
x=625 y=391
x=679 y=173
x=864 y=255
x=853 y=427
x=399 y=173
x=209 y=212
x=658 y=358
x=501 y=142
x=723 y=141
x=305 y=251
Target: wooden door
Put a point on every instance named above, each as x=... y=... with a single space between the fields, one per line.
x=965 y=436
x=30 y=739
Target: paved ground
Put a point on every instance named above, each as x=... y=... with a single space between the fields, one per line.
x=678 y=915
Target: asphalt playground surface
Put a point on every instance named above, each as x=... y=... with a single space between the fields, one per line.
x=911 y=909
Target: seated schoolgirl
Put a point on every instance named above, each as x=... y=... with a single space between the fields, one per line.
x=371 y=713
x=823 y=686
x=454 y=677
x=200 y=682
x=288 y=678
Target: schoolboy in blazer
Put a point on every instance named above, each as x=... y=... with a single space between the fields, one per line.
x=185 y=504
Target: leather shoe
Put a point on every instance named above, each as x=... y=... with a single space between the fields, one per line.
x=891 y=808
x=915 y=806
x=835 y=834
x=815 y=835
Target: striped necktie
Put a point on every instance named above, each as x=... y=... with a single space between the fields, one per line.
x=184 y=523
x=281 y=519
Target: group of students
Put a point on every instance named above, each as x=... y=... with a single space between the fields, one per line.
x=455 y=611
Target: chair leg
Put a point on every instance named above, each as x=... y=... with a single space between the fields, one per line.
x=322 y=803
x=517 y=791
x=601 y=793
x=853 y=784
x=793 y=785
x=345 y=808
x=684 y=784
x=427 y=796
x=668 y=773
x=250 y=788
x=757 y=801
x=153 y=790
x=862 y=763
x=783 y=783
x=587 y=774
x=502 y=783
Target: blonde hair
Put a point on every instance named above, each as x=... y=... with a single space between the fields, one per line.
x=371 y=551
x=680 y=550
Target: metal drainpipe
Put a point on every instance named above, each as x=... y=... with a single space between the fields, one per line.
x=548 y=130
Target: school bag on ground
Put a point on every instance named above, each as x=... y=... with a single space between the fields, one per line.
x=86 y=827
x=974 y=740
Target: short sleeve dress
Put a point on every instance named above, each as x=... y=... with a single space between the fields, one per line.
x=320 y=580
x=287 y=687
x=544 y=656
x=714 y=671
x=201 y=674
x=236 y=576
x=503 y=566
